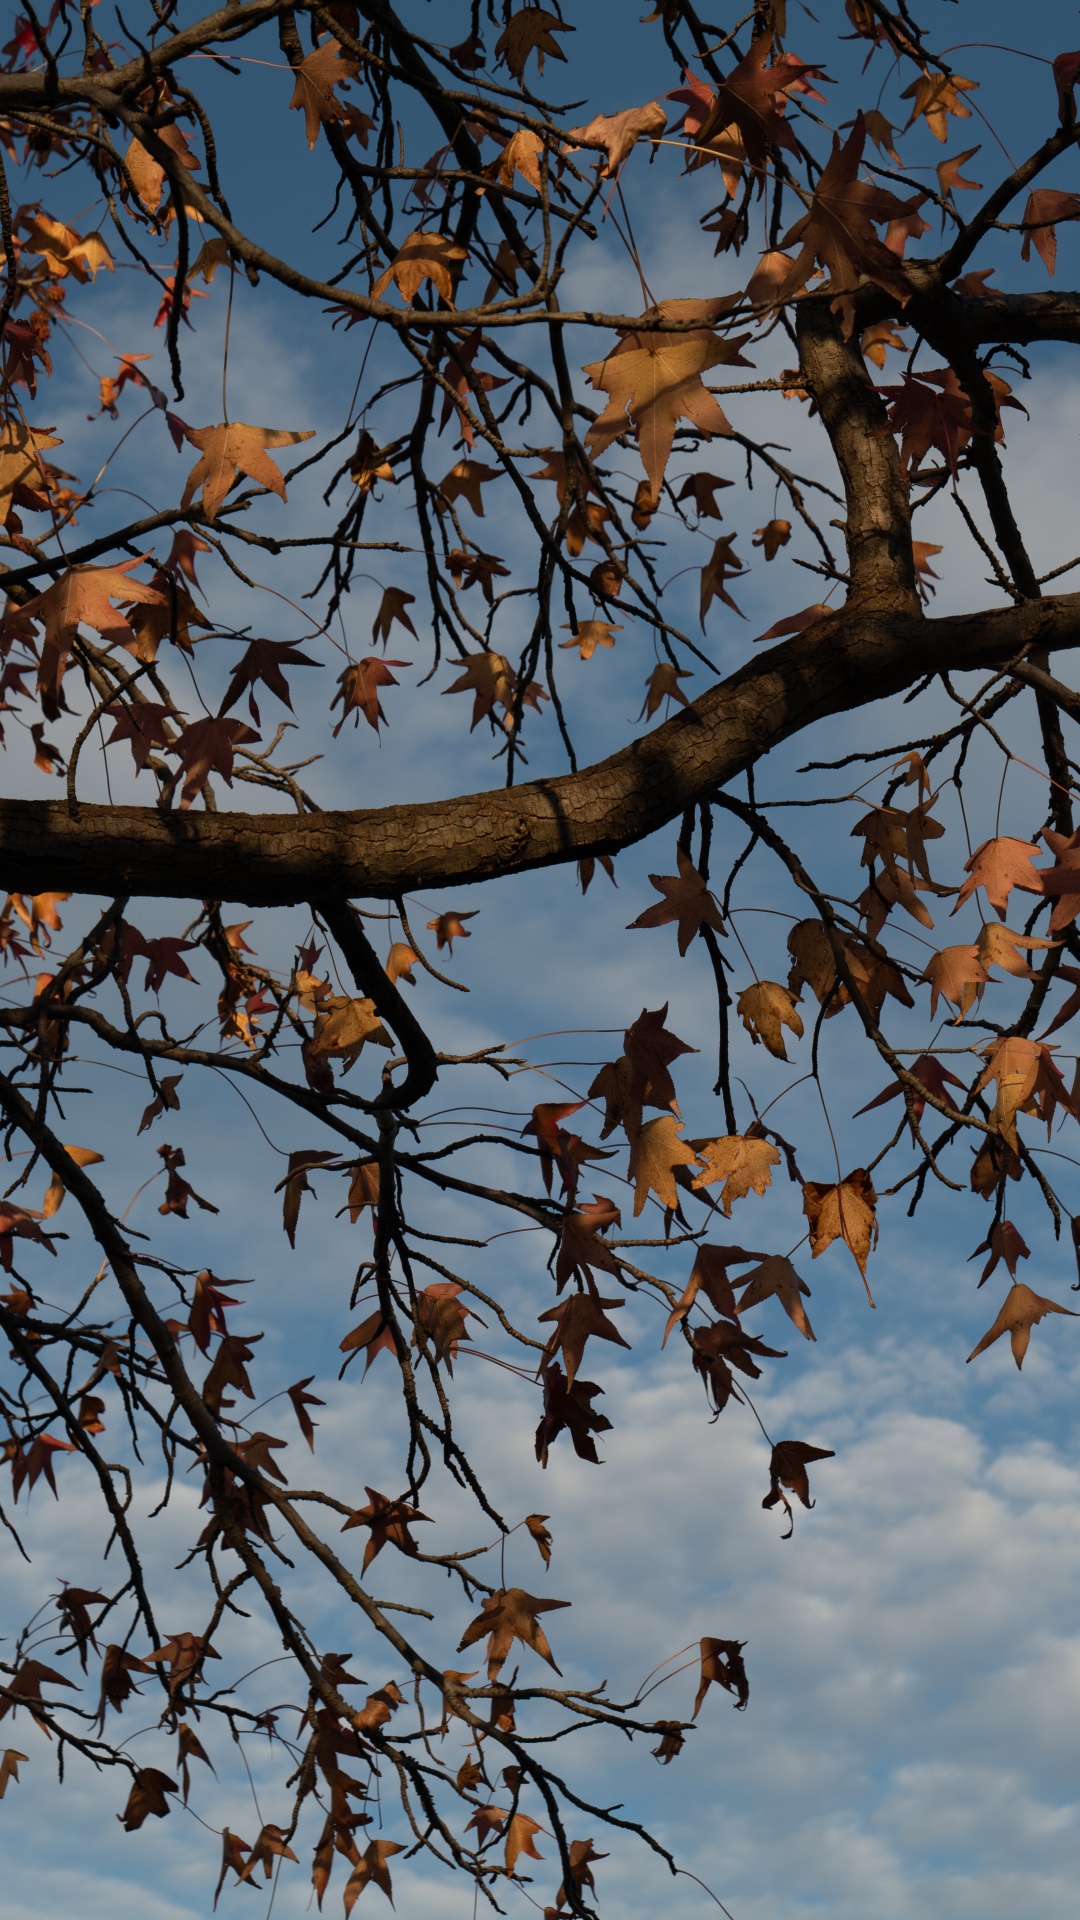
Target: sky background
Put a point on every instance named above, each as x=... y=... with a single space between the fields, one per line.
x=910 y=1746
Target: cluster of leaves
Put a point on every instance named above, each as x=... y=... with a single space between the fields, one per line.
x=468 y=377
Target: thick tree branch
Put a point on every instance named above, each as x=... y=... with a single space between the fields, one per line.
x=839 y=664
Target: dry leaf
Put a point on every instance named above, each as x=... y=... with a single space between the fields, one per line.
x=1022 y=1309
x=765 y=1008
x=742 y=1162
x=686 y=899
x=843 y=1211
x=229 y=450
x=655 y=1152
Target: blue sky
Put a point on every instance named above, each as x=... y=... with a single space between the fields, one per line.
x=915 y=1665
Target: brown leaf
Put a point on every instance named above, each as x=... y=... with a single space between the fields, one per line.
x=663 y=684
x=296 y=1184
x=9 y=1768
x=577 y=1318
x=590 y=634
x=424 y=256
x=722 y=1662
x=787 y=1468
x=448 y=927
x=1046 y=206
x=229 y=450
x=386 y=1521
x=1021 y=1310
x=528 y=31
x=519 y=1839
x=686 y=899
x=843 y=1211
x=507 y=1615
x=539 y=1532
x=147 y=1796
x=957 y=975
x=54 y=1194
x=655 y=1152
x=618 y=133
x=358 y=690
x=796 y=622
x=772 y=536
x=997 y=946
x=776 y=1275
x=654 y=379
x=82 y=597
x=371 y=1869
x=765 y=1008
x=1003 y=1242
x=316 y=77
x=743 y=1163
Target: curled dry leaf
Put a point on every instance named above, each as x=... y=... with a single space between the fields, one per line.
x=618 y=133
x=776 y=1275
x=722 y=1664
x=765 y=1008
x=787 y=1468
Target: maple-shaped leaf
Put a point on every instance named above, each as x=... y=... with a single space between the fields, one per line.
x=343 y=1026
x=618 y=133
x=742 y=1162
x=787 y=1468
x=653 y=380
x=264 y=660
x=147 y=176
x=686 y=900
x=507 y=1615
x=1027 y=1082
x=998 y=866
x=569 y=1409
x=722 y=565
x=701 y=489
x=843 y=1210
x=873 y=341
x=490 y=679
x=663 y=684
x=21 y=447
x=519 y=1839
x=24 y=1688
x=371 y=1870
x=464 y=481
x=358 y=690
x=387 y=1521
x=776 y=1275
x=270 y=1846
x=439 y=1317
x=1003 y=1242
x=655 y=1152
x=229 y=450
x=838 y=231
x=590 y=634
x=709 y=1275
x=82 y=597
x=301 y=1400
x=1021 y=1310
x=950 y=178
x=424 y=256
x=752 y=101
x=722 y=1664
x=1061 y=882
x=65 y=250
x=393 y=606
x=144 y=725
x=316 y=77
x=937 y=95
x=374 y=1335
x=765 y=1008
x=580 y=1246
x=528 y=31
x=209 y=746
x=956 y=974
x=485 y=1822
x=581 y=1854
x=10 y=1762
x=650 y=1050
x=795 y=622
x=576 y=1319
x=147 y=1796
x=998 y=946
x=933 y=1076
